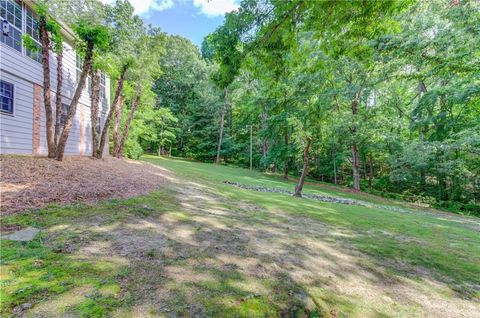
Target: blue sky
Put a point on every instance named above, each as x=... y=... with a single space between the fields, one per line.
x=193 y=19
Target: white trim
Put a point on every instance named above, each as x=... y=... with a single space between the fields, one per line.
x=24 y=22
x=3 y=112
x=66 y=31
x=14 y=26
x=23 y=31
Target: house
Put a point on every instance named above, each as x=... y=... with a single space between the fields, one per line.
x=22 y=113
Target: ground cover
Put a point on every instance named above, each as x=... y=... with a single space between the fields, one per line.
x=198 y=247
x=34 y=182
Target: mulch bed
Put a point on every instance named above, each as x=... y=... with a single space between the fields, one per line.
x=33 y=182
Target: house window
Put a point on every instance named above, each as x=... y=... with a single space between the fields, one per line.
x=65 y=109
x=32 y=25
x=32 y=30
x=6 y=97
x=11 y=10
x=11 y=15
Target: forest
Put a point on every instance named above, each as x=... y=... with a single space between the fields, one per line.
x=300 y=158
x=379 y=96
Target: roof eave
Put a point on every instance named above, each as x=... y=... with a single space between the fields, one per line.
x=66 y=31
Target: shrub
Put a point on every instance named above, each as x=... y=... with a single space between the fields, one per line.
x=132 y=149
x=458 y=207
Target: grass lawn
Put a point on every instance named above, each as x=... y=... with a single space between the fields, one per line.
x=200 y=248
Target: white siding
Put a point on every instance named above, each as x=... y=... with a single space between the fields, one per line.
x=16 y=129
x=23 y=72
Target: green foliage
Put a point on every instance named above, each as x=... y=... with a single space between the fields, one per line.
x=294 y=70
x=410 y=68
x=92 y=35
x=53 y=28
x=30 y=44
x=133 y=149
x=184 y=88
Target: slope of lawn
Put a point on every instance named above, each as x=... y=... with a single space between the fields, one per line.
x=200 y=248
x=447 y=243
x=211 y=172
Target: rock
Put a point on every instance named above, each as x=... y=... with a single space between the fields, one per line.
x=21 y=308
x=23 y=235
x=302 y=296
x=319 y=197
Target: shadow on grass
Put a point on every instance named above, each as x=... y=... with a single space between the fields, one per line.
x=190 y=252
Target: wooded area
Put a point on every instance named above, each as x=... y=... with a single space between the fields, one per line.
x=261 y=158
x=382 y=96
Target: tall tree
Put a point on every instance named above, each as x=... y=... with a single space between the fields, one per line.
x=51 y=40
x=121 y=144
x=94 y=110
x=222 y=47
x=95 y=38
x=127 y=29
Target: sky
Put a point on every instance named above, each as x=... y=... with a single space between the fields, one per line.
x=193 y=19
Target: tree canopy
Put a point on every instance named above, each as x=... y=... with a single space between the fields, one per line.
x=382 y=96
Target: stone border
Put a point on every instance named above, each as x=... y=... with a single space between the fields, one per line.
x=318 y=197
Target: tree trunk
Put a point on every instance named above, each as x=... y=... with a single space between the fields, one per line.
x=116 y=125
x=301 y=181
x=222 y=123
x=95 y=110
x=364 y=167
x=335 y=166
x=285 y=168
x=58 y=97
x=265 y=141
x=112 y=110
x=442 y=186
x=121 y=144
x=180 y=143
x=73 y=105
x=423 y=180
x=372 y=172
x=355 y=161
x=356 y=173
x=46 y=87
x=422 y=89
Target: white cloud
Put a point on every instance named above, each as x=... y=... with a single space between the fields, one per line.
x=144 y=6
x=214 y=8
x=210 y=8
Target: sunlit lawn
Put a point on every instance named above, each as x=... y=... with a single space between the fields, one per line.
x=186 y=250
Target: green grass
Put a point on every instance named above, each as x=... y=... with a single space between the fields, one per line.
x=211 y=172
x=449 y=247
x=54 y=273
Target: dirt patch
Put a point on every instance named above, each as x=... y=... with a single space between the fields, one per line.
x=30 y=182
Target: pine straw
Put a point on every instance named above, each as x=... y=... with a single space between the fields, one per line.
x=29 y=182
